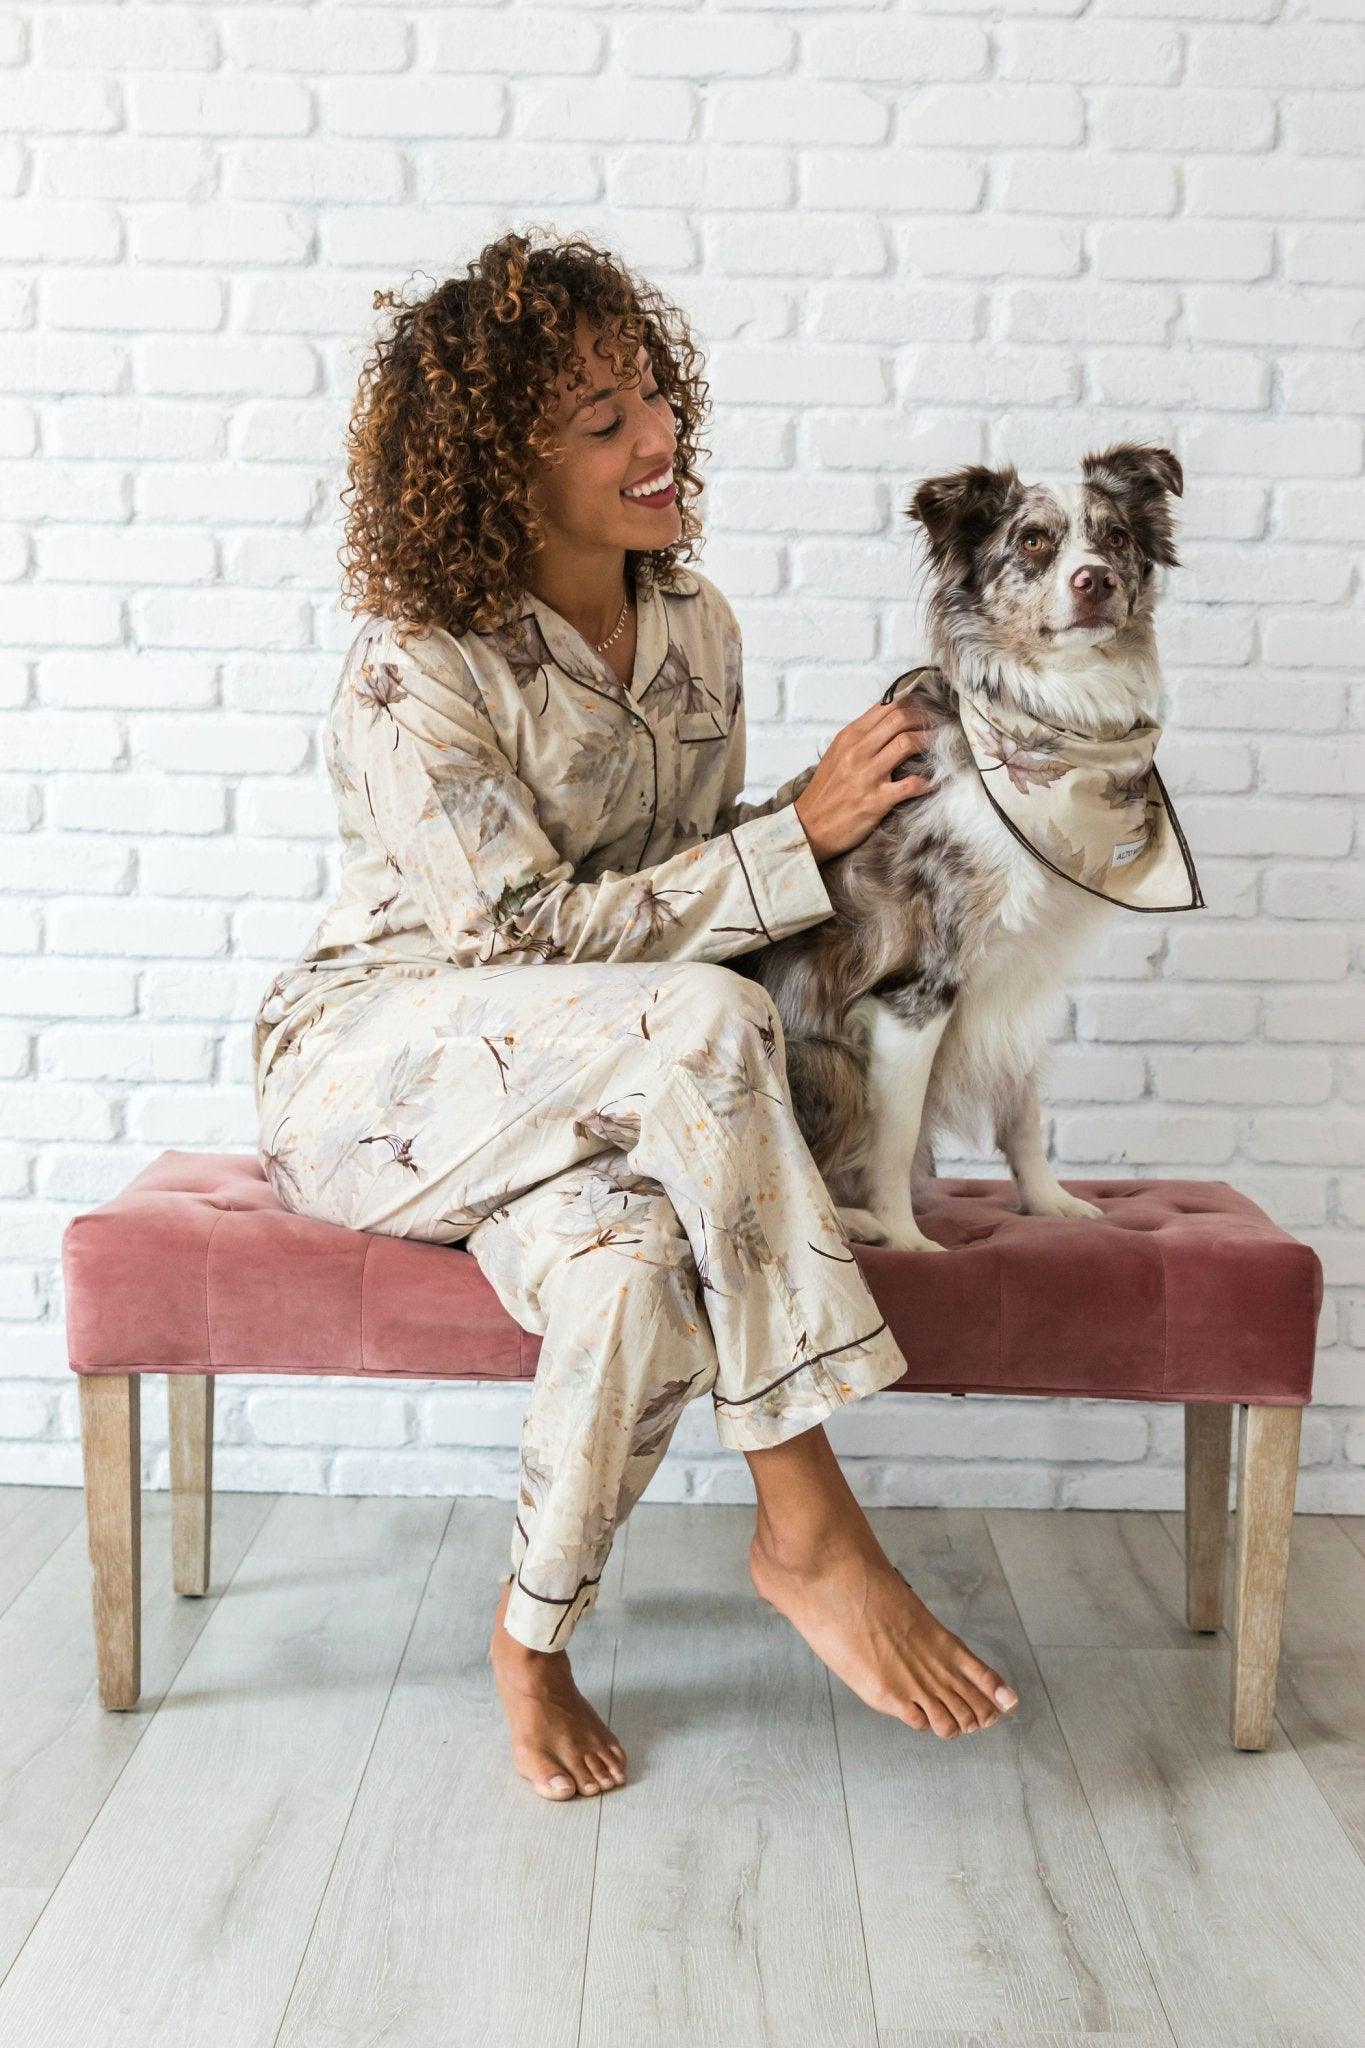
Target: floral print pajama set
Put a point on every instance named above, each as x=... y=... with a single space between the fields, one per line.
x=512 y=1029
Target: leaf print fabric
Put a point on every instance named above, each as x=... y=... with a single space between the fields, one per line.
x=513 y=1028
x=1092 y=808
x=615 y=1145
x=504 y=796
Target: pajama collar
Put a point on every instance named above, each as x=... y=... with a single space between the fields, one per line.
x=572 y=653
x=1093 y=810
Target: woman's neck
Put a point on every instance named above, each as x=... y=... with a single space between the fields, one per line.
x=584 y=585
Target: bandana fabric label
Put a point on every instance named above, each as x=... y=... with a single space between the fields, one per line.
x=1093 y=810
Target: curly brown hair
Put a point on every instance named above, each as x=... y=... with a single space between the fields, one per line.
x=455 y=408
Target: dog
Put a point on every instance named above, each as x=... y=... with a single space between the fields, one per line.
x=922 y=1006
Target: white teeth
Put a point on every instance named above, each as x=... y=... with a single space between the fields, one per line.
x=651 y=486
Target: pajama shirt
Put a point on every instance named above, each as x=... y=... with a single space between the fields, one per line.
x=514 y=1029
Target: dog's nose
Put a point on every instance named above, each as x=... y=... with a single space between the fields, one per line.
x=1094 y=578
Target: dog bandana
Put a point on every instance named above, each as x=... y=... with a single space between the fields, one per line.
x=1094 y=811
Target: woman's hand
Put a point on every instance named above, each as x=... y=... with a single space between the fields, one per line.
x=852 y=790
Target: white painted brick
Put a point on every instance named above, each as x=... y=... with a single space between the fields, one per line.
x=1221 y=825
x=66 y=103
x=129 y=554
x=63 y=863
x=1310 y=767
x=829 y=245
x=137 y=928
x=115 y=38
x=781 y=110
x=1181 y=249
x=220 y=618
x=1310 y=1139
x=83 y=231
x=104 y=1053
x=1313 y=639
x=25 y=1411
x=1169 y=1015
x=527 y=173
x=1129 y=117
x=282 y=38
x=1324 y=1016
x=908 y=241
x=1244 y=1077
x=134 y=430
x=1211 y=953
x=45 y=1111
x=1294 y=56
x=1258 y=702
x=223 y=105
x=917 y=181
x=1143 y=1134
x=412 y=107
x=370 y=1417
x=313 y=171
x=989 y=247
x=119 y=681
x=105 y=803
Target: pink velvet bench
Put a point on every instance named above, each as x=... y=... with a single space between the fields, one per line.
x=1185 y=1292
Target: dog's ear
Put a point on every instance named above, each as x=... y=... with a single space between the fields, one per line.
x=960 y=509
x=1141 y=478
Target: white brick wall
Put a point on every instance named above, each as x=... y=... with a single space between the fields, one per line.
x=910 y=235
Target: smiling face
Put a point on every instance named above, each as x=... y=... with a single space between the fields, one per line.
x=613 y=437
x=1033 y=569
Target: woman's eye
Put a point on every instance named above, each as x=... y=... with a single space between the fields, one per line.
x=605 y=433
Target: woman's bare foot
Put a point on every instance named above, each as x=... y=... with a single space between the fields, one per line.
x=559 y=1742
x=863 y=1619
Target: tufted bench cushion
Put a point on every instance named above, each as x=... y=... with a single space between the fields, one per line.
x=1185 y=1292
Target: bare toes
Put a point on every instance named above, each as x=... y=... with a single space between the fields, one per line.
x=556 y=1786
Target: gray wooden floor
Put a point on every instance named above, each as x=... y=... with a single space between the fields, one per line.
x=309 y=1832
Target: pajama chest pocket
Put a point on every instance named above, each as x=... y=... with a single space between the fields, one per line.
x=698 y=728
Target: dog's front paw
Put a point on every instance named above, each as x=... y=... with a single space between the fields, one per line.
x=912 y=1240
x=1057 y=1202
x=862 y=1226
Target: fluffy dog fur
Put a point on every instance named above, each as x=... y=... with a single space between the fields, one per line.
x=922 y=1006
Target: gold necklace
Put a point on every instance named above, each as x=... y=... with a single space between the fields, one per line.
x=601 y=646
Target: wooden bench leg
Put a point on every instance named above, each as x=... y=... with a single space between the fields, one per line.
x=1208 y=1461
x=1267 y=1474
x=111 y=1449
x=189 y=1400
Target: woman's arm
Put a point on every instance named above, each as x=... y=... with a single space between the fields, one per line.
x=463 y=831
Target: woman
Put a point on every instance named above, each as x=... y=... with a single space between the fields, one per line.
x=513 y=1027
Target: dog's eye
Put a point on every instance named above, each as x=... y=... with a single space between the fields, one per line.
x=1033 y=542
x=1117 y=537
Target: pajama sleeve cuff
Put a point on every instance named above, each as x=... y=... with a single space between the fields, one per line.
x=782 y=872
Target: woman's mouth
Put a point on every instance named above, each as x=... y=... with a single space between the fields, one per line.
x=652 y=491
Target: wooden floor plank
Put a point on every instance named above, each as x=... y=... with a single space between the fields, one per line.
x=996 y=2037
x=1247 y=1896
x=1091 y=1577
x=34 y=1521
x=1320 y=1701
x=987 y=1895
x=458 y=1906
x=725 y=1910
x=185 y=1912
x=60 y=1753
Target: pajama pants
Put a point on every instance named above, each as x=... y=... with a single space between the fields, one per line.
x=616 y=1146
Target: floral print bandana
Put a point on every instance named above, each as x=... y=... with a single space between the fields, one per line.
x=1093 y=810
